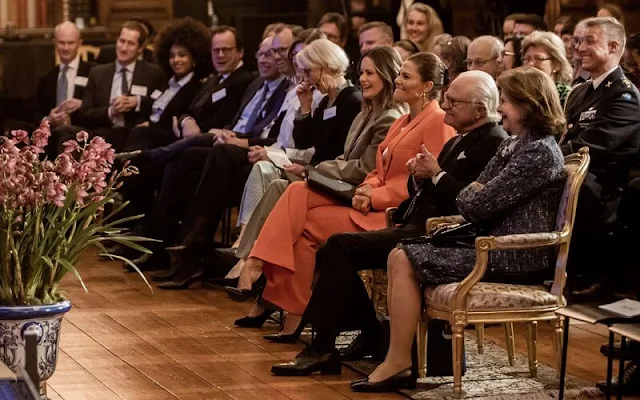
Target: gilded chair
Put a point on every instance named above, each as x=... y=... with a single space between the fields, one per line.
x=84 y=52
x=474 y=302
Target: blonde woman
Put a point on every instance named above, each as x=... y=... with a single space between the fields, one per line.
x=545 y=51
x=422 y=25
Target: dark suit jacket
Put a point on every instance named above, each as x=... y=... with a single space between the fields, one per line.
x=178 y=104
x=95 y=102
x=270 y=112
x=607 y=121
x=328 y=136
x=216 y=115
x=478 y=146
x=108 y=54
x=47 y=90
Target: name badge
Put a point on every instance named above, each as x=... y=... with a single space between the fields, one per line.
x=329 y=113
x=156 y=93
x=219 y=95
x=587 y=116
x=81 y=81
x=137 y=90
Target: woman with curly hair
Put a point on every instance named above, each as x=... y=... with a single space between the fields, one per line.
x=182 y=51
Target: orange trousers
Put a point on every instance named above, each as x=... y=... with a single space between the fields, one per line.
x=301 y=221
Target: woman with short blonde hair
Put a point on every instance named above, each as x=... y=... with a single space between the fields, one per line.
x=546 y=52
x=422 y=25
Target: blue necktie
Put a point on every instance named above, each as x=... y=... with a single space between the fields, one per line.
x=257 y=110
x=61 y=91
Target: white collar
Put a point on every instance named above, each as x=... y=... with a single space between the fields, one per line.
x=596 y=82
x=73 y=64
x=186 y=79
x=130 y=68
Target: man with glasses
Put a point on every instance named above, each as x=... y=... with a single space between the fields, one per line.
x=339 y=301
x=604 y=115
x=483 y=54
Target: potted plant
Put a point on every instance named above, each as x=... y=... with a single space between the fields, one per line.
x=49 y=215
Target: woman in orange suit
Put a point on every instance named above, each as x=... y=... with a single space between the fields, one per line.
x=303 y=219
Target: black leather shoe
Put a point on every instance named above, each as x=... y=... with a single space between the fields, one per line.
x=290 y=338
x=241 y=295
x=164 y=275
x=150 y=262
x=631 y=350
x=404 y=379
x=254 y=322
x=630 y=382
x=361 y=347
x=183 y=284
x=227 y=251
x=309 y=361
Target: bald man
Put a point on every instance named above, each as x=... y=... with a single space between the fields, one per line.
x=59 y=91
x=483 y=54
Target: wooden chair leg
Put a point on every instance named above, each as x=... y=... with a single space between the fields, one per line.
x=421 y=341
x=508 y=335
x=480 y=337
x=457 y=333
x=532 y=337
x=557 y=343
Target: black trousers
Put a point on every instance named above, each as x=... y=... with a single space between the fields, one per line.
x=339 y=301
x=148 y=137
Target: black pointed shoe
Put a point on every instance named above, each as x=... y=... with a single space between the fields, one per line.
x=309 y=361
x=404 y=379
x=253 y=322
x=286 y=338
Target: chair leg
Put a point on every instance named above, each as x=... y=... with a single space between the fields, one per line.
x=480 y=337
x=508 y=335
x=558 y=343
x=532 y=337
x=457 y=354
x=421 y=342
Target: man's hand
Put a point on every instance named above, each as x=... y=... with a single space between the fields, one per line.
x=257 y=153
x=238 y=142
x=295 y=169
x=361 y=203
x=189 y=128
x=426 y=165
x=57 y=116
x=71 y=105
x=123 y=104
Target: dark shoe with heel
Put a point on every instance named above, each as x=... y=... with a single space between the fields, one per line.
x=242 y=295
x=287 y=338
x=309 y=361
x=253 y=322
x=404 y=379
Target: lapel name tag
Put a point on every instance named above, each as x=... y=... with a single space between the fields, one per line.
x=138 y=90
x=155 y=94
x=587 y=116
x=219 y=95
x=81 y=81
x=329 y=113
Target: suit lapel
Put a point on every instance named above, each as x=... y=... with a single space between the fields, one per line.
x=410 y=126
x=355 y=133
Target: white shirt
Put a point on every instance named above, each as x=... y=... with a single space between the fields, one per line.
x=116 y=85
x=240 y=126
x=161 y=103
x=596 y=82
x=72 y=72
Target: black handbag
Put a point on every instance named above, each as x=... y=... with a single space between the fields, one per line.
x=339 y=190
x=456 y=235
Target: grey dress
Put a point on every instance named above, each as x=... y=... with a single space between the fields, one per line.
x=521 y=194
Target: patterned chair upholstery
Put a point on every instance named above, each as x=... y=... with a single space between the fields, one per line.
x=475 y=302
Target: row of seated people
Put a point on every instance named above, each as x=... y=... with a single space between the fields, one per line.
x=399 y=128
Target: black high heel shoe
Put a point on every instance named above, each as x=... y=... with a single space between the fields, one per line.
x=254 y=322
x=404 y=379
x=184 y=284
x=289 y=338
x=242 y=295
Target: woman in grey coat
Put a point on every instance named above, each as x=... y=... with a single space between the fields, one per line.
x=518 y=192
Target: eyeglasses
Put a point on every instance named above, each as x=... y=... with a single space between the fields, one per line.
x=282 y=51
x=225 y=50
x=535 y=59
x=266 y=54
x=479 y=63
x=453 y=102
x=507 y=53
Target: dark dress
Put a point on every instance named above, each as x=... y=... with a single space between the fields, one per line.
x=521 y=194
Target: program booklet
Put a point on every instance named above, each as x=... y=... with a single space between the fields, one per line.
x=625 y=307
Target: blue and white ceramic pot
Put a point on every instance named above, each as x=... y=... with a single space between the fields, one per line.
x=45 y=321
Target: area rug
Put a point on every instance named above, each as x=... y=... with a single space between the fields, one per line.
x=489 y=376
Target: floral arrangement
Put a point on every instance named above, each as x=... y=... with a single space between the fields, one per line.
x=50 y=212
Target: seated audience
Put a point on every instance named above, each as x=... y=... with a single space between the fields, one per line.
x=545 y=51
x=527 y=23
x=560 y=24
x=107 y=53
x=118 y=94
x=439 y=42
x=303 y=219
x=531 y=161
x=579 y=74
x=483 y=54
x=335 y=27
x=611 y=10
x=339 y=301
x=511 y=56
x=422 y=25
x=453 y=54
x=374 y=34
x=406 y=48
x=379 y=69
x=508 y=25
x=604 y=115
x=566 y=34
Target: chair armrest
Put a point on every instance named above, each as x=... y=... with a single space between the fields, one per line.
x=388 y=213
x=435 y=222
x=527 y=240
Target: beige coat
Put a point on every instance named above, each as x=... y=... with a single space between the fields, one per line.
x=360 y=147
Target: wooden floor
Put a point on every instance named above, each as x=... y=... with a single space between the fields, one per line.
x=121 y=340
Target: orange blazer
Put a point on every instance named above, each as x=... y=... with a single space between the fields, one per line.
x=403 y=141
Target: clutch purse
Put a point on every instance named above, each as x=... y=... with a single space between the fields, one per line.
x=339 y=190
x=456 y=235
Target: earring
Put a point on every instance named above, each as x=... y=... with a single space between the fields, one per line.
x=424 y=100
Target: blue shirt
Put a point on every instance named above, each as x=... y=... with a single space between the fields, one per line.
x=241 y=125
x=165 y=98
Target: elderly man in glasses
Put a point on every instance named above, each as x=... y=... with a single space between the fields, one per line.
x=483 y=54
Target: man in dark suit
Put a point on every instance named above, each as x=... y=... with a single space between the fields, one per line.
x=604 y=115
x=339 y=301
x=118 y=95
